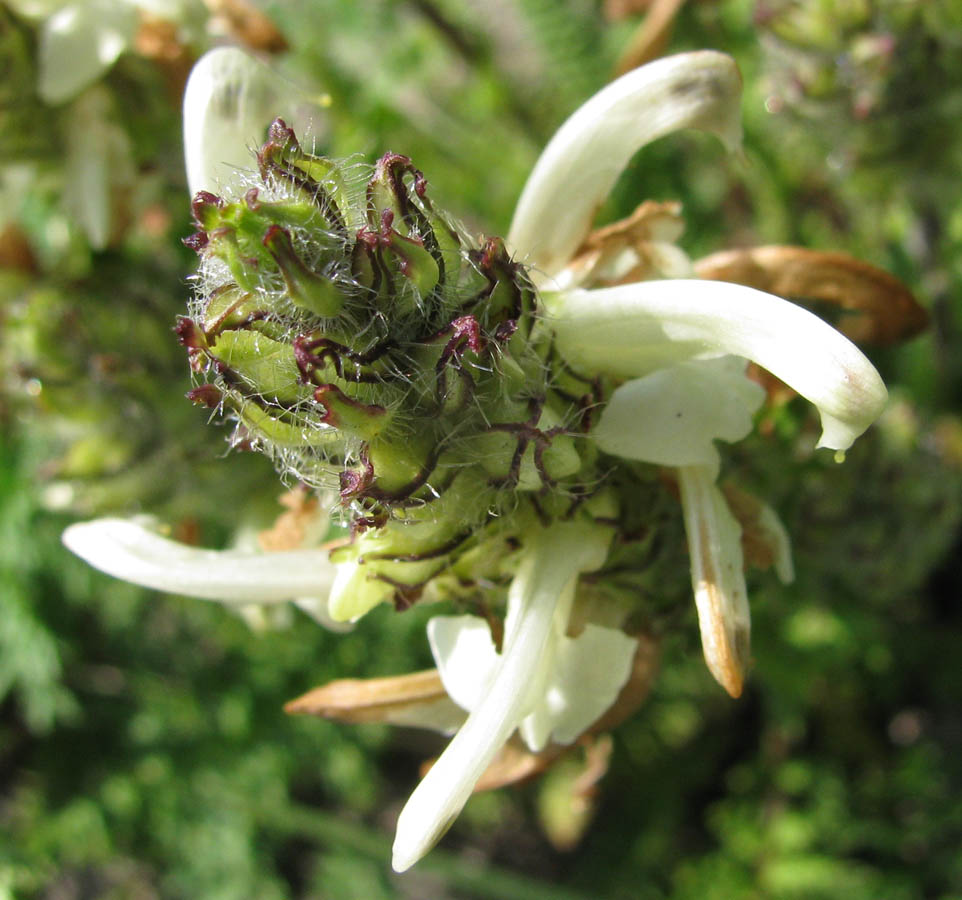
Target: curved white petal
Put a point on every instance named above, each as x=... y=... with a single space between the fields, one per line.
x=553 y=558
x=230 y=101
x=717 y=576
x=465 y=656
x=673 y=416
x=634 y=329
x=132 y=552
x=583 y=160
x=583 y=681
x=79 y=42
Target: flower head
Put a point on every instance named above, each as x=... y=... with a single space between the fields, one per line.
x=486 y=410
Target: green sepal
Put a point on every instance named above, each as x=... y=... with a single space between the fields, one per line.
x=293 y=213
x=414 y=262
x=398 y=463
x=262 y=362
x=307 y=290
x=229 y=307
x=351 y=417
x=279 y=434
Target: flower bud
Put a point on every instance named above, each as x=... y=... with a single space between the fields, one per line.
x=360 y=338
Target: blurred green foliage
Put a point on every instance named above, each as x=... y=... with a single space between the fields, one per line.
x=142 y=744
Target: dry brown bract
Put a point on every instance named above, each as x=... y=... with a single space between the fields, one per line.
x=653 y=34
x=290 y=529
x=397 y=700
x=876 y=307
x=647 y=232
x=419 y=699
x=248 y=25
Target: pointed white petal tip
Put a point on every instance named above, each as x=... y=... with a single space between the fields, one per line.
x=581 y=163
x=230 y=101
x=544 y=583
x=634 y=329
x=130 y=550
x=411 y=843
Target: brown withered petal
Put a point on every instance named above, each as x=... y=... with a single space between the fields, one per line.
x=652 y=36
x=616 y=10
x=651 y=220
x=764 y=539
x=290 y=527
x=514 y=764
x=15 y=250
x=248 y=25
x=411 y=699
x=158 y=40
x=652 y=223
x=597 y=759
x=746 y=508
x=876 y=307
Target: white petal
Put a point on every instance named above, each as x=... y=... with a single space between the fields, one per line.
x=465 y=656
x=79 y=43
x=717 y=576
x=586 y=675
x=441 y=715
x=583 y=160
x=581 y=676
x=230 y=101
x=551 y=560
x=672 y=416
x=633 y=329
x=99 y=164
x=128 y=550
